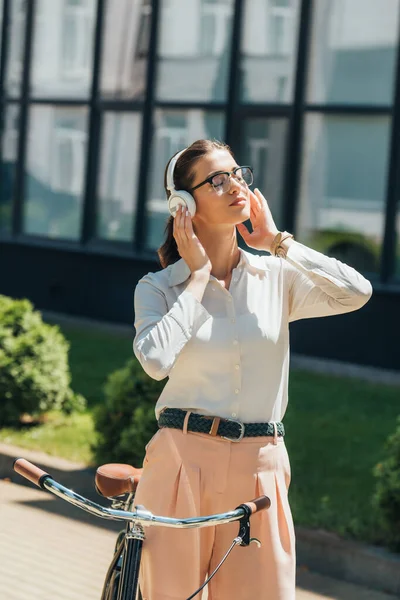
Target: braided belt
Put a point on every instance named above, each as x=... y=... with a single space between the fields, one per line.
x=229 y=429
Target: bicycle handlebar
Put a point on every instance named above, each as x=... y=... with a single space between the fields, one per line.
x=30 y=471
x=42 y=479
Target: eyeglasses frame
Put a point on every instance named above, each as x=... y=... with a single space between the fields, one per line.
x=229 y=173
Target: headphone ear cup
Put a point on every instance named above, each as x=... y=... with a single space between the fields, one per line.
x=181 y=198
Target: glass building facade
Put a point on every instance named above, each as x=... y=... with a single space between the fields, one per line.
x=96 y=95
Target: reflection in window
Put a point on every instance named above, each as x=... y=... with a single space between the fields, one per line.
x=126 y=34
x=341 y=209
x=118 y=175
x=16 y=41
x=194 y=50
x=55 y=171
x=173 y=131
x=353 y=51
x=1 y=22
x=9 y=154
x=263 y=147
x=269 y=50
x=63 y=48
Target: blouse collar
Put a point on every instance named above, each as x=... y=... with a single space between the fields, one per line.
x=252 y=262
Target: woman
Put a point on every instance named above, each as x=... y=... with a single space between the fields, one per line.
x=215 y=321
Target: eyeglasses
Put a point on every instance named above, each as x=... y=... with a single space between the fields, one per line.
x=221 y=182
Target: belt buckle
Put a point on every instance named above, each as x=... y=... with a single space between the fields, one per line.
x=242 y=429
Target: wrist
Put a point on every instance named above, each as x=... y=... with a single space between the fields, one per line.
x=281 y=243
x=269 y=240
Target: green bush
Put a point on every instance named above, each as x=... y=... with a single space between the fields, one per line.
x=386 y=499
x=126 y=421
x=34 y=371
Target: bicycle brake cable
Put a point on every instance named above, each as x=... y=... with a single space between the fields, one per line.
x=243 y=539
x=236 y=542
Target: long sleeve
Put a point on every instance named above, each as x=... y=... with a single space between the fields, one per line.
x=320 y=286
x=161 y=334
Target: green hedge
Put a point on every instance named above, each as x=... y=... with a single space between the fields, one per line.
x=34 y=371
x=387 y=496
x=126 y=421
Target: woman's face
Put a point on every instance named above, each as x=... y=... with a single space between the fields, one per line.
x=212 y=206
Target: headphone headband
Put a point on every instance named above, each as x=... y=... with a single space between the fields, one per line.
x=171 y=169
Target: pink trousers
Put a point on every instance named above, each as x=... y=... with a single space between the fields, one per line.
x=193 y=474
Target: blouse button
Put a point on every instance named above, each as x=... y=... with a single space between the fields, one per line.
x=233 y=414
x=232 y=320
x=236 y=391
x=237 y=367
x=235 y=342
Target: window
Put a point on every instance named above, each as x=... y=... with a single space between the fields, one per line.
x=76 y=50
x=263 y=146
x=215 y=20
x=343 y=189
x=269 y=44
x=281 y=23
x=125 y=48
x=118 y=175
x=56 y=157
x=63 y=48
x=68 y=158
x=194 y=50
x=16 y=41
x=8 y=159
x=353 y=52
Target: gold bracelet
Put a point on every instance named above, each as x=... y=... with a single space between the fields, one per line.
x=278 y=239
x=277 y=247
x=282 y=249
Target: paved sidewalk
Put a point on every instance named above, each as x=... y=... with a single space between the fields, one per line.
x=49 y=549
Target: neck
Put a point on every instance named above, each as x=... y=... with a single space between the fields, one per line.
x=221 y=248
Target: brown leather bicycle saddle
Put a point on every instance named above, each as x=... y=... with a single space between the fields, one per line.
x=115 y=479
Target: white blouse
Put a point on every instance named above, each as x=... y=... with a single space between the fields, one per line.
x=229 y=354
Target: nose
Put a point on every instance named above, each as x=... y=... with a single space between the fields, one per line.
x=235 y=184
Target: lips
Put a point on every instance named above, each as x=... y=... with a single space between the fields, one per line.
x=238 y=202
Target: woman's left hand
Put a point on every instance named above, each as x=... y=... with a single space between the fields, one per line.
x=262 y=222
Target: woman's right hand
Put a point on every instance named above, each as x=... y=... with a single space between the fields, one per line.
x=189 y=245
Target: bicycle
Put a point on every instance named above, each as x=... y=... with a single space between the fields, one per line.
x=118 y=483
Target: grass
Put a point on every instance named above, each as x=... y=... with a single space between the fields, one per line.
x=336 y=430
x=68 y=437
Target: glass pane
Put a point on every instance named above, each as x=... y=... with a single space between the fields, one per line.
x=125 y=48
x=119 y=175
x=263 y=146
x=9 y=155
x=269 y=50
x=1 y=22
x=16 y=41
x=63 y=48
x=342 y=202
x=173 y=131
x=56 y=158
x=397 y=230
x=194 y=50
x=353 y=51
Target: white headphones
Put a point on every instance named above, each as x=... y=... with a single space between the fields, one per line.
x=178 y=197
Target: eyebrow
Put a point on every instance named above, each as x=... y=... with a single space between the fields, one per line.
x=220 y=171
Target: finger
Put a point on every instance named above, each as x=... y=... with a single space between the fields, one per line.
x=189 y=224
x=255 y=203
x=186 y=222
x=178 y=224
x=259 y=198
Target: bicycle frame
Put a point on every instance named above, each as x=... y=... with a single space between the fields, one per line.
x=130 y=548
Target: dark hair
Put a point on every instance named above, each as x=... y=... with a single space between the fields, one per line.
x=183 y=180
